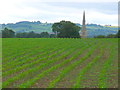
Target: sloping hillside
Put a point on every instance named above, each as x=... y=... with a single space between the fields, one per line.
x=38 y=27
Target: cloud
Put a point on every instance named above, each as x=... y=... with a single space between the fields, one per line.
x=101 y=18
x=52 y=11
x=87 y=1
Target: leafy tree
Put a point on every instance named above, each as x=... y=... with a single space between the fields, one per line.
x=31 y=35
x=52 y=36
x=100 y=36
x=0 y=34
x=44 y=35
x=8 y=33
x=22 y=35
x=111 y=36
x=28 y=35
x=118 y=34
x=66 y=29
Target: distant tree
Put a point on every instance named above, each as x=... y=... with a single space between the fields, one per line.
x=114 y=35
x=22 y=35
x=37 y=35
x=8 y=33
x=111 y=36
x=44 y=35
x=66 y=29
x=52 y=36
x=100 y=36
x=31 y=35
x=28 y=35
x=118 y=34
x=0 y=34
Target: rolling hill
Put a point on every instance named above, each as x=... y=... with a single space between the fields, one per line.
x=38 y=27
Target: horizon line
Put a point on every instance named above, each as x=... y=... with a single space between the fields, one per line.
x=55 y=22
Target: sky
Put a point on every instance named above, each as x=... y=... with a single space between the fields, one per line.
x=97 y=11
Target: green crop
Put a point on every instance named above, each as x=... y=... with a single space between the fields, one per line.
x=26 y=61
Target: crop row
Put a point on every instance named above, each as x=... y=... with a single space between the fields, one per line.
x=71 y=66
x=86 y=68
x=35 y=60
x=27 y=52
x=106 y=66
x=36 y=68
x=33 y=80
x=24 y=59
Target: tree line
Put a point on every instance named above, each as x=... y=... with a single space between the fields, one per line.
x=8 y=33
x=62 y=29
x=109 y=36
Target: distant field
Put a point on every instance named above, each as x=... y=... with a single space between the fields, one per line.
x=59 y=63
x=112 y=26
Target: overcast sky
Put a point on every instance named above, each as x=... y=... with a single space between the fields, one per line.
x=97 y=11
